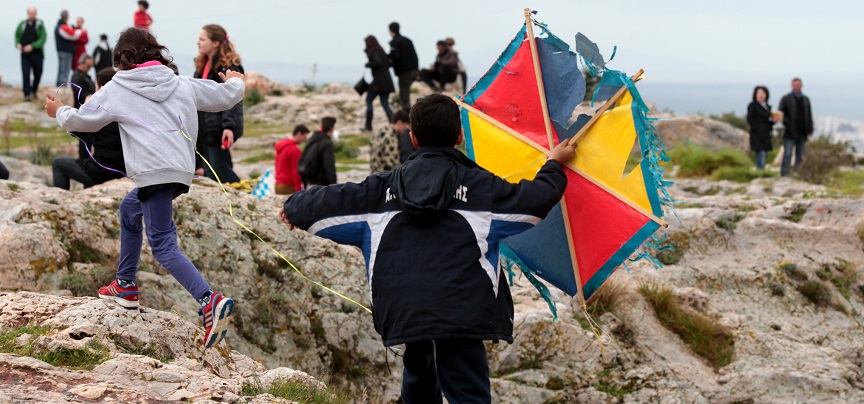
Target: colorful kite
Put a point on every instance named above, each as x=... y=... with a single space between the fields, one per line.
x=520 y=109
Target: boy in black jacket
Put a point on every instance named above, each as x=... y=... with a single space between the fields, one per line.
x=429 y=231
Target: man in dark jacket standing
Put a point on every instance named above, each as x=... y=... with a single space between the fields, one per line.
x=65 y=37
x=404 y=59
x=30 y=39
x=317 y=164
x=798 y=121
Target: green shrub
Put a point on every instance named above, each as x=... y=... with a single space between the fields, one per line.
x=298 y=391
x=680 y=243
x=77 y=283
x=698 y=161
x=86 y=358
x=791 y=271
x=841 y=275
x=776 y=288
x=741 y=174
x=254 y=97
x=729 y=222
x=263 y=156
x=345 y=150
x=847 y=183
x=41 y=153
x=606 y=299
x=816 y=292
x=704 y=335
x=796 y=214
x=739 y=122
x=823 y=158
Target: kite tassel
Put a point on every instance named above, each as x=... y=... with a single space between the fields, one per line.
x=596 y=330
x=510 y=259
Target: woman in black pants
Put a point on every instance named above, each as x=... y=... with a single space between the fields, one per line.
x=382 y=84
x=217 y=131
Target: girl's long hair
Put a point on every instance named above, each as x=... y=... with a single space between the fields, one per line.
x=372 y=44
x=136 y=46
x=225 y=55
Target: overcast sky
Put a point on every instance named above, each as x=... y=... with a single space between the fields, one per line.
x=677 y=41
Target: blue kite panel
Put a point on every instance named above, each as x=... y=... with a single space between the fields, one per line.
x=562 y=79
x=545 y=250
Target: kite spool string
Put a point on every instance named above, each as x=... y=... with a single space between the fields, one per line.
x=225 y=191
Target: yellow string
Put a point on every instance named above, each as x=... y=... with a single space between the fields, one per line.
x=231 y=213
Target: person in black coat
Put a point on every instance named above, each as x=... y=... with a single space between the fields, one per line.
x=761 y=124
x=403 y=56
x=382 y=83
x=107 y=162
x=83 y=88
x=217 y=131
x=317 y=165
x=798 y=123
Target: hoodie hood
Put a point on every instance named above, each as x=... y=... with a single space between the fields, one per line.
x=156 y=83
x=284 y=144
x=426 y=183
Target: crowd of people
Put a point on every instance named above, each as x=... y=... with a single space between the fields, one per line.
x=424 y=202
x=797 y=118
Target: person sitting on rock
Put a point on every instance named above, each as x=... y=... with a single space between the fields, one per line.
x=157 y=111
x=429 y=231
x=445 y=70
x=107 y=162
x=384 y=152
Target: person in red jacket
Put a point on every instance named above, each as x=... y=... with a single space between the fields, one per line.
x=287 y=156
x=142 y=18
x=80 y=43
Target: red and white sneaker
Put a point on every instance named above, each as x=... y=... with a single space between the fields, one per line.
x=217 y=315
x=126 y=297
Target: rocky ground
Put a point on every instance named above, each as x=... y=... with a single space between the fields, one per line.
x=735 y=246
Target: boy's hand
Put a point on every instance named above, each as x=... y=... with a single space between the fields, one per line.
x=285 y=219
x=564 y=152
x=51 y=105
x=230 y=74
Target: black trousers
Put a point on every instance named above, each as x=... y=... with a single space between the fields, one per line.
x=405 y=80
x=31 y=62
x=455 y=367
x=441 y=75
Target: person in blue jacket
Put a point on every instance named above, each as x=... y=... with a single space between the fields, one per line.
x=429 y=232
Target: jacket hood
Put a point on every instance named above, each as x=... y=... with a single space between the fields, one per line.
x=284 y=144
x=156 y=83
x=426 y=183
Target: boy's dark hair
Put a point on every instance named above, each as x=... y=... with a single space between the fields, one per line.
x=441 y=43
x=402 y=116
x=394 y=27
x=327 y=124
x=767 y=94
x=300 y=129
x=104 y=76
x=144 y=3
x=136 y=46
x=103 y=37
x=435 y=121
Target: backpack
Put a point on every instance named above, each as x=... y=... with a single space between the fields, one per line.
x=309 y=166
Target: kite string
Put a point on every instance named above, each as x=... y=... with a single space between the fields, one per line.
x=225 y=191
x=231 y=213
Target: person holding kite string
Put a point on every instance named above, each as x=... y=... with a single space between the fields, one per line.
x=429 y=231
x=156 y=111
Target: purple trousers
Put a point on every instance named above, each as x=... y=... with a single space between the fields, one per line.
x=157 y=213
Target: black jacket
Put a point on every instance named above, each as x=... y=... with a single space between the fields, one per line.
x=211 y=124
x=87 y=87
x=791 y=117
x=429 y=231
x=108 y=151
x=317 y=164
x=402 y=55
x=103 y=57
x=761 y=126
x=382 y=83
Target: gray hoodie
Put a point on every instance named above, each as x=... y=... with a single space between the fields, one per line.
x=149 y=104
